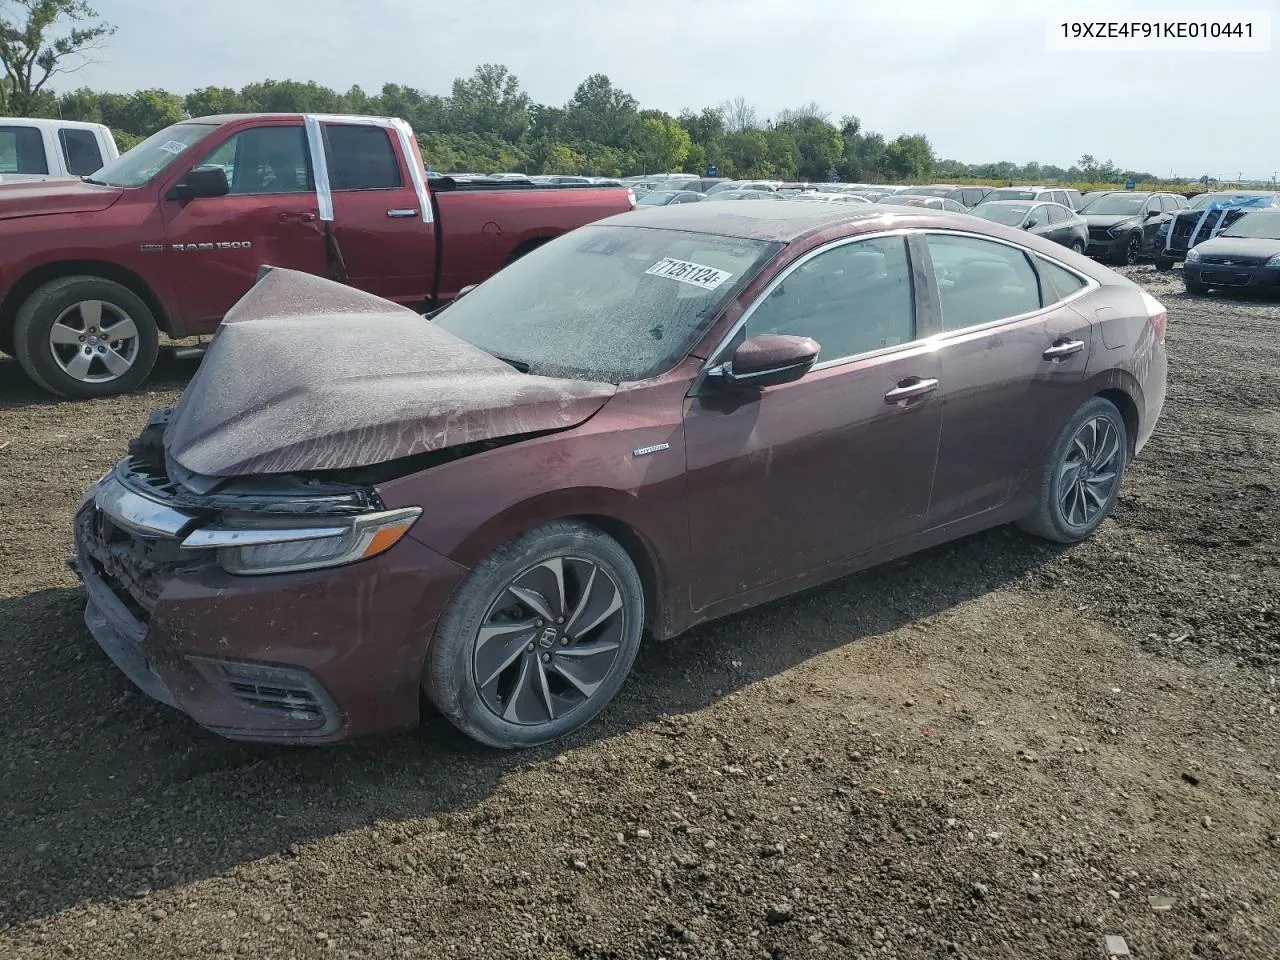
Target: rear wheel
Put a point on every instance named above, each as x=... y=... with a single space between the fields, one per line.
x=1077 y=246
x=83 y=337
x=539 y=638
x=1164 y=264
x=1082 y=479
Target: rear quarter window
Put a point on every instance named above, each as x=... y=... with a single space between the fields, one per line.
x=1056 y=282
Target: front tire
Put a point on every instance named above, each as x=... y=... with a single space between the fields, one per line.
x=539 y=638
x=1082 y=479
x=1128 y=256
x=83 y=337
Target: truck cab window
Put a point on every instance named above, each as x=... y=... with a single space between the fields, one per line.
x=80 y=147
x=22 y=151
x=360 y=157
x=264 y=160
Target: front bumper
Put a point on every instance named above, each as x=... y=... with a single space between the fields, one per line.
x=316 y=657
x=1234 y=276
x=1108 y=248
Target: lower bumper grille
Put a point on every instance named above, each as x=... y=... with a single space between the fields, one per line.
x=287 y=694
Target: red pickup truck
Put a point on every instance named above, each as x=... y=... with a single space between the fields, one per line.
x=167 y=237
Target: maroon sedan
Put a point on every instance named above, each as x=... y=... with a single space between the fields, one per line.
x=658 y=419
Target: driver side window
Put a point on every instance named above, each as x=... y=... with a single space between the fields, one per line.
x=852 y=299
x=264 y=160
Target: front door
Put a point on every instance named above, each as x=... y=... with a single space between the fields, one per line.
x=832 y=466
x=1013 y=357
x=271 y=216
x=386 y=245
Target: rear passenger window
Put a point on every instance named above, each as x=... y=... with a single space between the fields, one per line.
x=851 y=299
x=22 y=151
x=360 y=158
x=1169 y=204
x=1058 y=213
x=980 y=281
x=971 y=198
x=80 y=147
x=1057 y=283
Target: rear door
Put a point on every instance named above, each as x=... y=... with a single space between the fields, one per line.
x=271 y=216
x=383 y=226
x=1012 y=356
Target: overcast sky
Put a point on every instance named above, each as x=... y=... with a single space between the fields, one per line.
x=975 y=76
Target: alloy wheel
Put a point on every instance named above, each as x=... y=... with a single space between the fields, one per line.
x=1133 y=249
x=1089 y=473
x=549 y=641
x=94 y=341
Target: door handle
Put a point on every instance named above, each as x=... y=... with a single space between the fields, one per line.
x=1063 y=349
x=304 y=217
x=408 y=212
x=909 y=389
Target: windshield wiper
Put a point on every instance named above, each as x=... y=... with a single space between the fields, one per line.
x=100 y=183
x=517 y=364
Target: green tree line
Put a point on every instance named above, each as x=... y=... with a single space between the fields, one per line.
x=487 y=123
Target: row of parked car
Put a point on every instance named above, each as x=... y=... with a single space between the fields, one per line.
x=1118 y=226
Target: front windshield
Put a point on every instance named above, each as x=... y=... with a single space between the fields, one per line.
x=722 y=187
x=1258 y=226
x=140 y=165
x=1010 y=195
x=606 y=303
x=1116 y=204
x=658 y=198
x=1244 y=199
x=1010 y=214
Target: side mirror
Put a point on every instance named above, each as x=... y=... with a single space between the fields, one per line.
x=465 y=290
x=1150 y=213
x=1030 y=223
x=767 y=360
x=202 y=182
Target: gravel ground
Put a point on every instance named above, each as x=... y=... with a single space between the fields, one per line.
x=998 y=749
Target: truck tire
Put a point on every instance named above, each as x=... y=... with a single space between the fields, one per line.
x=83 y=336
x=1164 y=264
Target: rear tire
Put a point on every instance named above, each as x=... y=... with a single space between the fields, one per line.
x=1164 y=264
x=504 y=670
x=1082 y=478
x=82 y=337
x=1077 y=246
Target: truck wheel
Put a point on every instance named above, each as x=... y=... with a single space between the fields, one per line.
x=1164 y=264
x=83 y=337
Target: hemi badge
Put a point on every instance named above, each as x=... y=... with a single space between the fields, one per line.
x=654 y=449
x=152 y=248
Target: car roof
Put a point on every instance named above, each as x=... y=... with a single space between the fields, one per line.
x=774 y=220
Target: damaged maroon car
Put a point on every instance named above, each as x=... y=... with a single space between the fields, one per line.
x=652 y=421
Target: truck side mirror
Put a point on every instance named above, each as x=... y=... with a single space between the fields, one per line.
x=202 y=182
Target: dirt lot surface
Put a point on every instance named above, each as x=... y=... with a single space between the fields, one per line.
x=995 y=750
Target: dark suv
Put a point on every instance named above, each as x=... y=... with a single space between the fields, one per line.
x=1123 y=225
x=1207 y=216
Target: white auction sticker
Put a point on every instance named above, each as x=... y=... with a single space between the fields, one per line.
x=173 y=146
x=708 y=278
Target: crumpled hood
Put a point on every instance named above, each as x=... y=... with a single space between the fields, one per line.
x=36 y=198
x=307 y=374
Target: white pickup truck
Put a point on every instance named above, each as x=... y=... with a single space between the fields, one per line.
x=33 y=149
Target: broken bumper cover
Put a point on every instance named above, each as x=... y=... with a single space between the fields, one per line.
x=304 y=658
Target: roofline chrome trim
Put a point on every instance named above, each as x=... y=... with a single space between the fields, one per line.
x=714 y=358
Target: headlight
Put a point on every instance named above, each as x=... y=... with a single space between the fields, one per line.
x=1274 y=261
x=1120 y=228
x=1193 y=255
x=93 y=488
x=252 y=547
